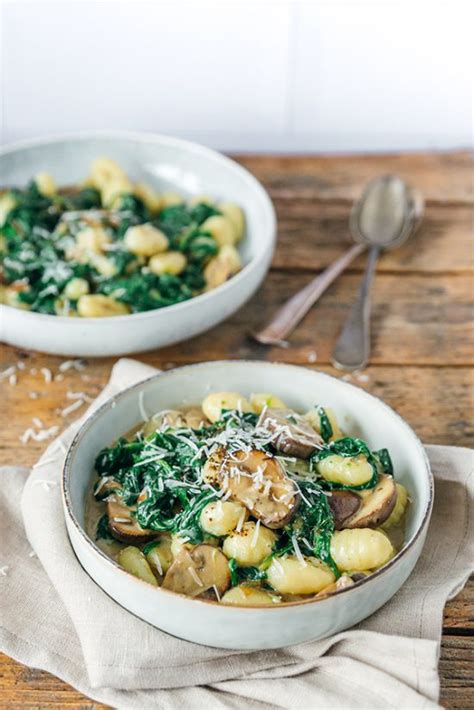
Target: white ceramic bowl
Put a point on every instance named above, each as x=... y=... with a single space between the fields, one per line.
x=242 y=627
x=167 y=164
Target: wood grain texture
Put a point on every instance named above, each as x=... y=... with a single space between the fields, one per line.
x=312 y=234
x=443 y=178
x=422 y=347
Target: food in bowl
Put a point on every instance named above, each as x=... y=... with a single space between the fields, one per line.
x=246 y=502
x=109 y=247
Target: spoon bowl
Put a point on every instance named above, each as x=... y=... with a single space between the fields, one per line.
x=386 y=214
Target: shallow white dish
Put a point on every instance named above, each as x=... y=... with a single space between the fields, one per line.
x=167 y=164
x=359 y=413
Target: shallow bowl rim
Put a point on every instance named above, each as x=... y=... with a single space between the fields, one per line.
x=89 y=422
x=159 y=138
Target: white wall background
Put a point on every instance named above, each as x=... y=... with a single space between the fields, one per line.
x=243 y=76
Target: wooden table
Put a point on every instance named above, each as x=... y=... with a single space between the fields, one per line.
x=421 y=353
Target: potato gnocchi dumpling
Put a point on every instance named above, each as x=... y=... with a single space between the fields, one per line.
x=250 y=545
x=264 y=400
x=242 y=501
x=220 y=518
x=289 y=575
x=360 y=549
x=216 y=402
x=247 y=595
x=348 y=471
x=126 y=241
x=399 y=509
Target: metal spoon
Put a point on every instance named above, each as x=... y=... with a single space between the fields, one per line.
x=291 y=313
x=384 y=217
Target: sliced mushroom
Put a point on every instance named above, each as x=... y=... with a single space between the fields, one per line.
x=258 y=481
x=122 y=524
x=376 y=507
x=295 y=436
x=196 y=571
x=343 y=504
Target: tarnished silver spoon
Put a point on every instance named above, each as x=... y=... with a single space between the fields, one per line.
x=387 y=213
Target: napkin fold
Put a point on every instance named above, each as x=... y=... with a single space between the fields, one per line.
x=54 y=617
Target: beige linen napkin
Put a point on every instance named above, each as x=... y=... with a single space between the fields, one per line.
x=54 y=617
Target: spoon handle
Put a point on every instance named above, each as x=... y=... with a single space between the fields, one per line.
x=353 y=347
x=289 y=315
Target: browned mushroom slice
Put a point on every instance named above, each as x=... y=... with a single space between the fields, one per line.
x=343 y=504
x=196 y=571
x=295 y=436
x=123 y=525
x=258 y=481
x=376 y=507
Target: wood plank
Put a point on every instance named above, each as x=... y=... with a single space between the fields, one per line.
x=416 y=320
x=459 y=613
x=455 y=666
x=442 y=178
x=23 y=687
x=417 y=393
x=311 y=235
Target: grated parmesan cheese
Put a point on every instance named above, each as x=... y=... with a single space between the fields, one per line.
x=72 y=407
x=42 y=435
x=78 y=395
x=195 y=576
x=255 y=534
x=47 y=374
x=297 y=550
x=8 y=372
x=78 y=365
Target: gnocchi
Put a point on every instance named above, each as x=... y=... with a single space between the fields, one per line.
x=350 y=471
x=134 y=561
x=45 y=184
x=215 y=403
x=221 y=518
x=399 y=509
x=171 y=262
x=360 y=549
x=221 y=229
x=246 y=595
x=262 y=400
x=76 y=288
x=235 y=215
x=250 y=546
x=153 y=200
x=314 y=418
x=289 y=575
x=97 y=306
x=92 y=239
x=159 y=555
x=145 y=240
